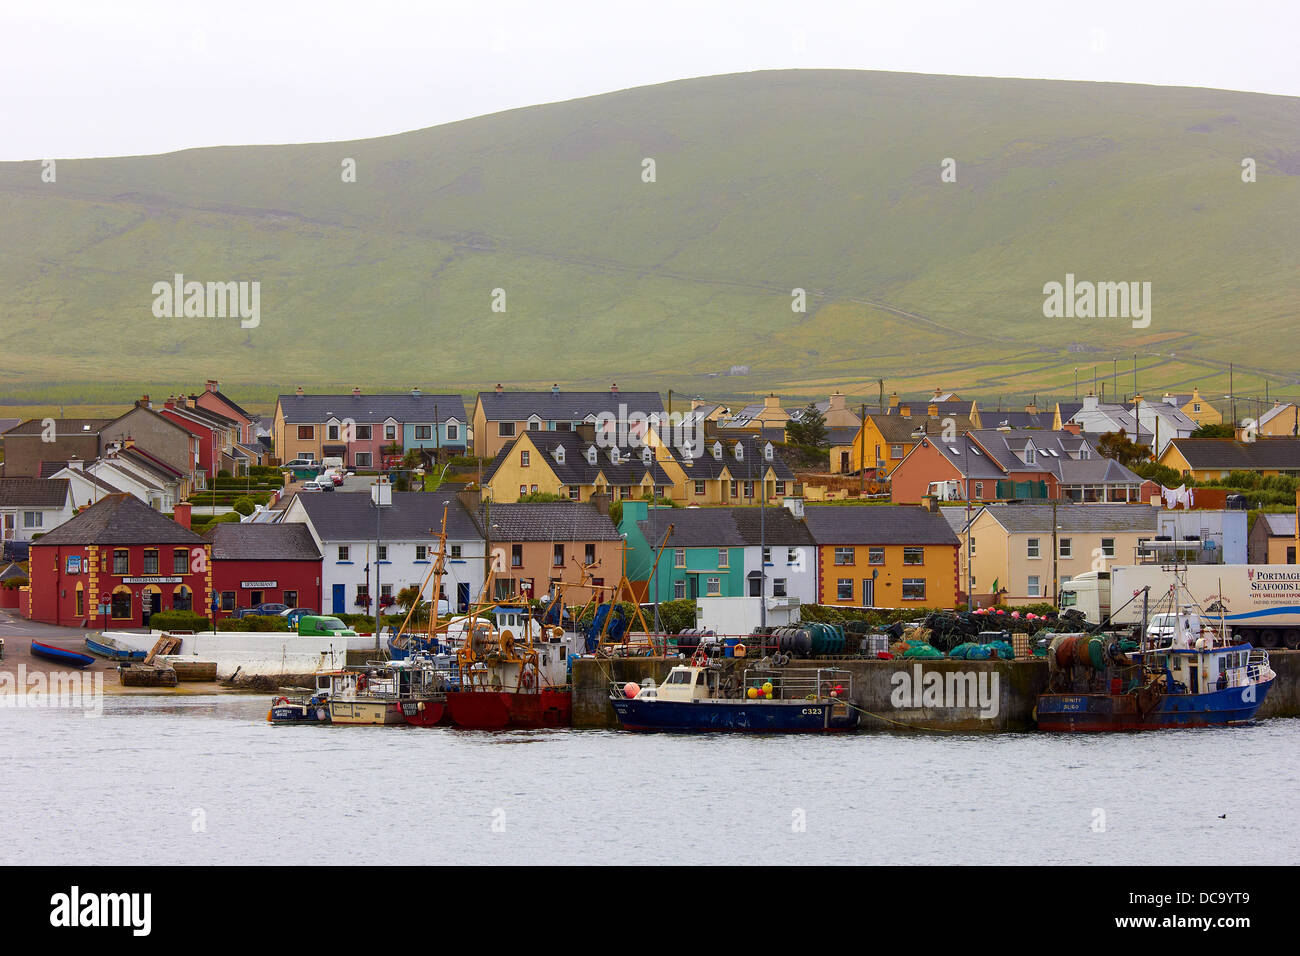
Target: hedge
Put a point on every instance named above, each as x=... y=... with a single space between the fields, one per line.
x=179 y=621
x=254 y=622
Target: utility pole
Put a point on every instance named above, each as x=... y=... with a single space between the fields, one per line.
x=862 y=434
x=762 y=545
x=1056 y=593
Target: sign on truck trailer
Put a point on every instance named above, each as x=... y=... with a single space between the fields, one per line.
x=1261 y=601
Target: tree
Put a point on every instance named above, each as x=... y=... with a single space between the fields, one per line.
x=1117 y=445
x=244 y=505
x=810 y=429
x=1219 y=430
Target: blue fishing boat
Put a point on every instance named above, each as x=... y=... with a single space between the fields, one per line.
x=781 y=701
x=60 y=655
x=113 y=650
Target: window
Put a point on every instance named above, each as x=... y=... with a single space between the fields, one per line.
x=505 y=429
x=524 y=459
x=81 y=599
x=151 y=561
x=423 y=432
x=557 y=556
x=121 y=604
x=913 y=589
x=421 y=554
x=876 y=555
x=381 y=552
x=455 y=551
x=1066 y=548
x=735 y=489
x=791 y=555
x=516 y=555
x=180 y=561
x=523 y=490
x=895 y=451
x=1031 y=548
x=121 y=561
x=1029 y=455
x=843 y=555
x=535 y=425
x=767 y=555
x=344 y=552
x=749 y=489
x=844 y=589
x=699 y=487
x=679 y=590
x=713 y=587
x=573 y=492
x=1108 y=547
x=778 y=587
x=227 y=600
x=780 y=487
x=724 y=558
x=33 y=519
x=453 y=432
x=679 y=557
x=306 y=432
x=363 y=433
x=362 y=459
x=331 y=433
x=914 y=555
x=979 y=489
x=390 y=433
x=1032 y=588
x=589 y=554
x=385 y=590
x=972 y=547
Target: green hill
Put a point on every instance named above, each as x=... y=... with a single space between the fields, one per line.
x=765 y=182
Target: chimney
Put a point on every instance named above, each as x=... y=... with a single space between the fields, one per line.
x=837 y=403
x=932 y=410
x=498 y=388
x=143 y=402
x=937 y=392
x=1032 y=407
x=904 y=411
x=182 y=514
x=555 y=389
x=794 y=505
x=613 y=387
x=75 y=464
x=1089 y=403
x=601 y=501
x=471 y=498
x=415 y=391
x=194 y=401
x=298 y=391
x=930 y=503
x=893 y=399
x=356 y=392
x=212 y=384
x=171 y=402
x=128 y=442
x=1074 y=428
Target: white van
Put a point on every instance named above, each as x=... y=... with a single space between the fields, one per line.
x=332 y=464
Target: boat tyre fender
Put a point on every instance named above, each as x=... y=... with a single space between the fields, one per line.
x=526 y=679
x=780 y=659
x=281 y=701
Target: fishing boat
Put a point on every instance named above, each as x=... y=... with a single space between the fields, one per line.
x=366 y=695
x=311 y=707
x=113 y=649
x=1199 y=679
x=61 y=655
x=774 y=701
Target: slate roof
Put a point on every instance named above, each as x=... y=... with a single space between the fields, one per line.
x=706 y=467
x=563 y=406
x=841 y=434
x=262 y=542
x=1022 y=518
x=63 y=427
x=999 y=419
x=1289 y=409
x=1227 y=453
x=727 y=528
x=900 y=429
x=120 y=519
x=548 y=521
x=1279 y=524
x=235 y=405
x=968 y=458
x=97 y=481
x=1096 y=471
x=877 y=524
x=1052 y=448
x=576 y=469
x=33 y=492
x=372 y=409
x=413 y=516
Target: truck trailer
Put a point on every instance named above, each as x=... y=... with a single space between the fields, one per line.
x=1261 y=602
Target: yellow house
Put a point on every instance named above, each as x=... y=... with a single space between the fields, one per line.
x=884 y=441
x=501 y=415
x=1011 y=547
x=565 y=464
x=1196 y=407
x=1207 y=459
x=1280 y=421
x=767 y=417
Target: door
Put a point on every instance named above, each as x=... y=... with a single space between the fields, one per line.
x=462 y=597
x=868 y=592
x=151 y=604
x=339 y=598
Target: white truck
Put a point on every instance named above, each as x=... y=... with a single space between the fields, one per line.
x=1261 y=602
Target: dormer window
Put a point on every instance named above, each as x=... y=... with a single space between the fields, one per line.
x=645 y=456
x=613 y=456
x=1029 y=455
x=559 y=454
x=591 y=454
x=740 y=452
x=1084 y=454
x=717 y=450
x=767 y=451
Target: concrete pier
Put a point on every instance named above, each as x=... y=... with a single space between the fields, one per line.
x=902 y=695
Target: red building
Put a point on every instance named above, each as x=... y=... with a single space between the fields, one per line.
x=115 y=564
x=256 y=564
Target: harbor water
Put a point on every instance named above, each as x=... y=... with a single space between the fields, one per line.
x=205 y=780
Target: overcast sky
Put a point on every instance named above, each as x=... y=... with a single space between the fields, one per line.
x=122 y=77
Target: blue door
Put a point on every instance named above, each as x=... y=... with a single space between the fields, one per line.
x=338 y=599
x=462 y=597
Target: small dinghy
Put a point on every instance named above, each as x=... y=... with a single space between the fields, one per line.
x=60 y=655
x=113 y=649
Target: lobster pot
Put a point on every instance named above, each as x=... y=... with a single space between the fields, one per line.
x=1020 y=644
x=874 y=644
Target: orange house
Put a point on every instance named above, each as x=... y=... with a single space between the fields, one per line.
x=536 y=546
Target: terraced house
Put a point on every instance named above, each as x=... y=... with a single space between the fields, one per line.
x=500 y=416
x=883 y=556
x=361 y=429
x=732 y=470
x=567 y=464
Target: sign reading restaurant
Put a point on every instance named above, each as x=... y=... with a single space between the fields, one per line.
x=261 y=585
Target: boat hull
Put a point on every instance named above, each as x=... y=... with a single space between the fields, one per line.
x=1099 y=713
x=61 y=656
x=296 y=713
x=369 y=712
x=499 y=710
x=114 y=651
x=426 y=713
x=740 y=716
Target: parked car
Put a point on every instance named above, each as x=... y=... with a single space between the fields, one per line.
x=294 y=614
x=337 y=478
x=312 y=485
x=271 y=610
x=313 y=625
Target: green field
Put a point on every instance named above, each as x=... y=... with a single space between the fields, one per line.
x=766 y=182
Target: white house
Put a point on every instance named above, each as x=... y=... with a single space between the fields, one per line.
x=398 y=540
x=32 y=506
